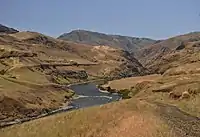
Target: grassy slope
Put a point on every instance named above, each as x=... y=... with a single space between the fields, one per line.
x=159 y=88
x=168 y=53
x=127 y=83
x=130 y=118
x=125 y=118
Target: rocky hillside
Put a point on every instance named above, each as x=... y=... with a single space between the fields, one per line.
x=179 y=50
x=35 y=69
x=4 y=29
x=117 y=41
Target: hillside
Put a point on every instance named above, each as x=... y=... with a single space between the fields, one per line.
x=4 y=29
x=130 y=118
x=117 y=41
x=173 y=51
x=35 y=69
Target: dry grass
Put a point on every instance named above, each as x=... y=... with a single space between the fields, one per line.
x=160 y=87
x=19 y=97
x=127 y=83
x=144 y=125
x=190 y=68
x=126 y=118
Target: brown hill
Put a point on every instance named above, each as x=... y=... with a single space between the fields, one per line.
x=179 y=67
x=158 y=57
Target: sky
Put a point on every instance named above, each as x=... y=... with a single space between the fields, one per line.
x=157 y=19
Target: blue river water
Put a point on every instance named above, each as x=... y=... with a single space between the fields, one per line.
x=90 y=95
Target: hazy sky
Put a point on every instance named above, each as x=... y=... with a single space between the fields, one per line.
x=143 y=18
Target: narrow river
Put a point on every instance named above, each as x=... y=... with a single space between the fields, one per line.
x=90 y=95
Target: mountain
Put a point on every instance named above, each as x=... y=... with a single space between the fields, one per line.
x=117 y=41
x=4 y=29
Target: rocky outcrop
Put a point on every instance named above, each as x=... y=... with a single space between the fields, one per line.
x=81 y=74
x=15 y=53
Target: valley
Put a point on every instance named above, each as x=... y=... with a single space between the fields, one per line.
x=36 y=69
x=152 y=87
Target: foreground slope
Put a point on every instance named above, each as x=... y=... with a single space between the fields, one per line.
x=130 y=118
x=117 y=41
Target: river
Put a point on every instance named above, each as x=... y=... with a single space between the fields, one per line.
x=87 y=95
x=90 y=95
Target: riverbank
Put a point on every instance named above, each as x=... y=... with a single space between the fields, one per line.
x=86 y=82
x=20 y=121
x=88 y=98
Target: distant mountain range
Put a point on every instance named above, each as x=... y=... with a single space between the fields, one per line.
x=4 y=29
x=95 y=38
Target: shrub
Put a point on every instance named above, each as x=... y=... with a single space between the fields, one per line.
x=125 y=93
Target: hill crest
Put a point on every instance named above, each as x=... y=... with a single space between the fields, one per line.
x=95 y=38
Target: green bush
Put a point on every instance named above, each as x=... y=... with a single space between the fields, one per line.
x=61 y=80
x=125 y=93
x=134 y=91
x=129 y=93
x=69 y=94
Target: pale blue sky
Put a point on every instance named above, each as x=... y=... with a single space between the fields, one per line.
x=142 y=18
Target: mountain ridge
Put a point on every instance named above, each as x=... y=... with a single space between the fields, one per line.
x=96 y=38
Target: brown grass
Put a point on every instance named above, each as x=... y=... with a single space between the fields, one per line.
x=126 y=118
x=160 y=87
x=127 y=83
x=137 y=124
